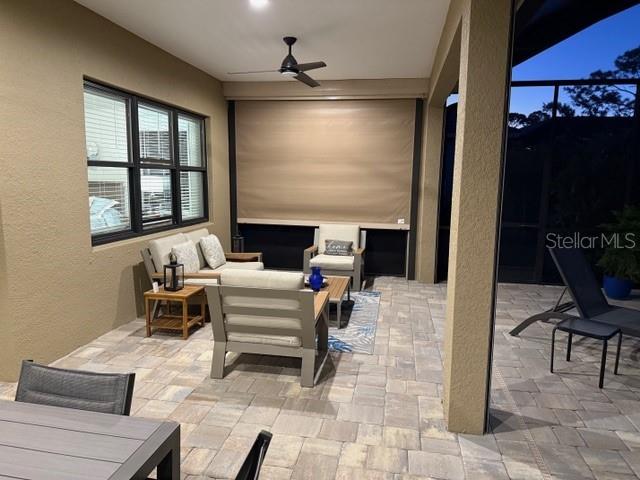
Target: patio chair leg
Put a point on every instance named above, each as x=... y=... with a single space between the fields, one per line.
x=603 y=362
x=357 y=281
x=307 y=373
x=553 y=347
x=615 y=370
x=217 y=362
x=569 y=342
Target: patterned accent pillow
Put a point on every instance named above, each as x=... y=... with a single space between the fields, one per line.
x=341 y=248
x=212 y=251
x=187 y=254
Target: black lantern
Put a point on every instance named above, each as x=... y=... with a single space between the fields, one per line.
x=173 y=274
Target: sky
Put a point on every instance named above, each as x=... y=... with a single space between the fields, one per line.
x=576 y=57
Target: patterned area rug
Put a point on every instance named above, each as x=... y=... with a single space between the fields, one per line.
x=359 y=322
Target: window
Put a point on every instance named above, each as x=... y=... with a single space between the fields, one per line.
x=147 y=165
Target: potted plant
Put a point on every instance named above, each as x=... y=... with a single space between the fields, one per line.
x=621 y=259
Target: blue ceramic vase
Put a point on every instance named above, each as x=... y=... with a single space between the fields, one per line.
x=315 y=279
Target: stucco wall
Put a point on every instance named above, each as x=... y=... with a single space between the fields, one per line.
x=57 y=291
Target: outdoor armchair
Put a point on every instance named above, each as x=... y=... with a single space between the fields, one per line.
x=338 y=265
x=268 y=313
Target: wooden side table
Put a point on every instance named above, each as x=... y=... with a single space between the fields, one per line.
x=167 y=321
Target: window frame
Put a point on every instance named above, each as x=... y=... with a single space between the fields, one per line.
x=135 y=165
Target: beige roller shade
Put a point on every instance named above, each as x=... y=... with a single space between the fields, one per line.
x=321 y=160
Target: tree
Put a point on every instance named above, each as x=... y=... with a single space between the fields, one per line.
x=519 y=120
x=604 y=100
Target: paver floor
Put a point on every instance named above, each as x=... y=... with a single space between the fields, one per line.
x=380 y=416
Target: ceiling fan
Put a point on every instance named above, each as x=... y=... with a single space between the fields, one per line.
x=291 y=67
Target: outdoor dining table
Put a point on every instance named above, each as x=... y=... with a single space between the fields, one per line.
x=42 y=442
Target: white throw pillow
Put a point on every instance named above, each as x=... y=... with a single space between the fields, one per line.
x=212 y=251
x=187 y=254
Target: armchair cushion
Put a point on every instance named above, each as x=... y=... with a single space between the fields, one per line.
x=264 y=339
x=331 y=231
x=212 y=251
x=187 y=254
x=160 y=249
x=263 y=279
x=333 y=262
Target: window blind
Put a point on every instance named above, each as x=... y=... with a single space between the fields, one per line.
x=345 y=160
x=105 y=122
x=154 y=137
x=191 y=197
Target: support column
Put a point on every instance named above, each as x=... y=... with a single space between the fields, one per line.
x=484 y=68
x=427 y=234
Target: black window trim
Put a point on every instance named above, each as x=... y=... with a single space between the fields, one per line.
x=134 y=165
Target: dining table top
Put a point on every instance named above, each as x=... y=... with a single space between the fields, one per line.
x=45 y=442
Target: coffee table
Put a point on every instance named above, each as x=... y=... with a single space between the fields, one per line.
x=166 y=321
x=337 y=287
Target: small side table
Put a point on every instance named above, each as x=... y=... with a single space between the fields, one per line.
x=590 y=329
x=166 y=321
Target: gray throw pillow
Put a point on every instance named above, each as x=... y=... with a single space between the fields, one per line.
x=338 y=247
x=212 y=251
x=187 y=254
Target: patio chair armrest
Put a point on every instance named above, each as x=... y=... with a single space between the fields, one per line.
x=359 y=251
x=243 y=256
x=312 y=250
x=309 y=252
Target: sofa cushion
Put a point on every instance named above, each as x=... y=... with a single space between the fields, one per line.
x=212 y=251
x=333 y=262
x=241 y=266
x=195 y=236
x=187 y=254
x=200 y=281
x=332 y=231
x=262 y=279
x=161 y=247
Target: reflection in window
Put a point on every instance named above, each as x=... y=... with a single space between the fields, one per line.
x=155 y=186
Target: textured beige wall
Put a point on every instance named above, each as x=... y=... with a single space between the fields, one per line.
x=484 y=64
x=328 y=89
x=443 y=80
x=56 y=291
x=429 y=197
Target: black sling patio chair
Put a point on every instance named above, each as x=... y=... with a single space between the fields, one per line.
x=60 y=387
x=250 y=469
x=588 y=299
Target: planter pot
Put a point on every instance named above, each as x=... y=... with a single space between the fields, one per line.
x=617 y=288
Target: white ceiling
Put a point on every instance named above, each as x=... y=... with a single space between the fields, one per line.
x=356 y=38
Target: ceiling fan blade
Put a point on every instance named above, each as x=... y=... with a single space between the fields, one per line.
x=306 y=79
x=252 y=71
x=304 y=67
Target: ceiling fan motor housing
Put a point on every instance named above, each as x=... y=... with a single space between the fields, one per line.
x=289 y=64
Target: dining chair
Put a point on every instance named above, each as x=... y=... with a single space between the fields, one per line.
x=98 y=392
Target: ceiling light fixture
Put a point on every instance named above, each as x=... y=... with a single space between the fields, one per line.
x=258 y=4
